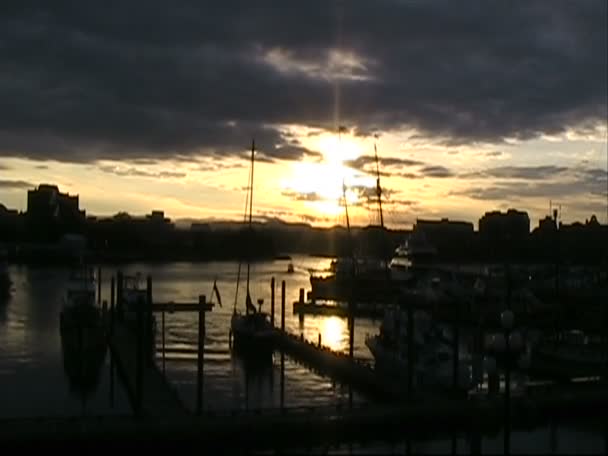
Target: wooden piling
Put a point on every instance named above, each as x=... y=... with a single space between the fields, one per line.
x=98 y=285
x=455 y=346
x=119 y=297
x=201 y=355
x=282 y=395
x=163 y=337
x=112 y=305
x=351 y=334
x=148 y=334
x=272 y=302
x=410 y=350
x=139 y=379
x=283 y=306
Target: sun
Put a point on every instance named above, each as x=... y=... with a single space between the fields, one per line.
x=319 y=184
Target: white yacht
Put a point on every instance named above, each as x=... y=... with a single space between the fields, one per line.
x=415 y=252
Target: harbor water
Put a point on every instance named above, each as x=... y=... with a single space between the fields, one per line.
x=34 y=381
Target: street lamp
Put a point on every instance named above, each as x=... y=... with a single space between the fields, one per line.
x=507 y=347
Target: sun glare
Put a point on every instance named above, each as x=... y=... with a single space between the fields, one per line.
x=319 y=185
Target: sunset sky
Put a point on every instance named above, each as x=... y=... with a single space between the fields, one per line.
x=473 y=106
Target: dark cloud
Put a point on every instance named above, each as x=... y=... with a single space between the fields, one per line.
x=519 y=172
x=436 y=171
x=135 y=172
x=145 y=80
x=302 y=196
x=493 y=153
x=16 y=184
x=588 y=183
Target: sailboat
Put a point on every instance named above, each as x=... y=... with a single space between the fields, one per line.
x=366 y=278
x=252 y=332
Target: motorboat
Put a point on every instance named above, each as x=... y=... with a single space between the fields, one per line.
x=415 y=253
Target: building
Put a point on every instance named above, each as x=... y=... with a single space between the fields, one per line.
x=452 y=239
x=47 y=203
x=497 y=226
x=51 y=213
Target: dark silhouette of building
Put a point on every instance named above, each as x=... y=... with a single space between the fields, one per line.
x=51 y=213
x=504 y=235
x=452 y=239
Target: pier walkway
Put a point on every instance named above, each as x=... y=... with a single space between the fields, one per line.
x=158 y=398
x=302 y=427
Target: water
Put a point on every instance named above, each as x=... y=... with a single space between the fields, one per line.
x=33 y=381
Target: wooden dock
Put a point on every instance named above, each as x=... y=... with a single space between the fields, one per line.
x=158 y=397
x=340 y=366
x=306 y=427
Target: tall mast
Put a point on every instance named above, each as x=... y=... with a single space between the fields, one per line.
x=250 y=212
x=378 y=188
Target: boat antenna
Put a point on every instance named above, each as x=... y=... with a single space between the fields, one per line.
x=250 y=212
x=238 y=277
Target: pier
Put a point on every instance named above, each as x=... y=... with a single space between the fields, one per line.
x=304 y=427
x=160 y=416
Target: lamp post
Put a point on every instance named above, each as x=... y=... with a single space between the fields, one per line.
x=507 y=347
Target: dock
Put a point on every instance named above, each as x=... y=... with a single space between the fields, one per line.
x=339 y=366
x=306 y=427
x=158 y=397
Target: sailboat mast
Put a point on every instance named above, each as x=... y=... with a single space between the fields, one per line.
x=250 y=212
x=378 y=188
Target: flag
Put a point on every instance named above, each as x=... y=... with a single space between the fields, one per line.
x=217 y=293
x=250 y=306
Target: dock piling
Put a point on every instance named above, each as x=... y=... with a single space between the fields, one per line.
x=98 y=285
x=119 y=289
x=282 y=395
x=148 y=334
x=272 y=302
x=112 y=306
x=139 y=380
x=163 y=337
x=283 y=306
x=455 y=346
x=410 y=350
x=201 y=354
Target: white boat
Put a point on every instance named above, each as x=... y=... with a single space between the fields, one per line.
x=414 y=253
x=251 y=332
x=433 y=365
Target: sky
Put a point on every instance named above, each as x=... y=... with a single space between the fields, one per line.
x=147 y=105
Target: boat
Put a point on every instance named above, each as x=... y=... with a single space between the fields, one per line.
x=134 y=293
x=572 y=350
x=414 y=255
x=82 y=330
x=364 y=278
x=251 y=333
x=432 y=351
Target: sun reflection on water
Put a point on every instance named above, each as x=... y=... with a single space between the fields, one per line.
x=333 y=331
